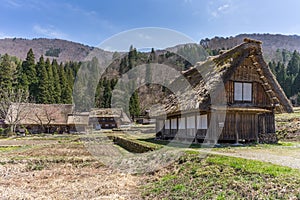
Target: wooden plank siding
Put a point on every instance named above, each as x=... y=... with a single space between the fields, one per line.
x=244 y=124
x=239 y=127
x=266 y=123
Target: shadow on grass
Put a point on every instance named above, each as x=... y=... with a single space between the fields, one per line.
x=183 y=144
x=173 y=143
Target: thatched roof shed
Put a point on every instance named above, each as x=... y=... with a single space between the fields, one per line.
x=110 y=113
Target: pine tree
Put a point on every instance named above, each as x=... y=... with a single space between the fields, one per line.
x=50 y=81
x=107 y=94
x=28 y=68
x=272 y=66
x=296 y=85
x=286 y=56
x=293 y=65
x=278 y=67
x=288 y=86
x=123 y=65
x=132 y=57
x=43 y=95
x=99 y=94
x=56 y=84
x=69 y=75
x=66 y=91
x=152 y=56
x=134 y=105
x=21 y=81
x=281 y=76
x=6 y=73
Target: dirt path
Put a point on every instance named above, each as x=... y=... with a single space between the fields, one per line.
x=285 y=156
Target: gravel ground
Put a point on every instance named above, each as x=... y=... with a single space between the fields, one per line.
x=285 y=156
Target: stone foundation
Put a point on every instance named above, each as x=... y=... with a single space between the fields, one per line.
x=269 y=138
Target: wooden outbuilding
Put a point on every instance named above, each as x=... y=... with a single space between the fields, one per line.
x=232 y=97
x=108 y=118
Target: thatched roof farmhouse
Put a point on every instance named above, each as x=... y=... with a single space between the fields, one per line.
x=232 y=97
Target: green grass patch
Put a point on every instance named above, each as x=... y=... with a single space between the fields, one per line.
x=253 y=166
x=288 y=144
x=9 y=148
x=50 y=137
x=174 y=143
x=221 y=177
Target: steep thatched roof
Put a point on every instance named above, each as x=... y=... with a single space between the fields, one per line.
x=203 y=85
x=110 y=113
x=40 y=113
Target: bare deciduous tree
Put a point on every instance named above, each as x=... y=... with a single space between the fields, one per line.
x=45 y=115
x=13 y=106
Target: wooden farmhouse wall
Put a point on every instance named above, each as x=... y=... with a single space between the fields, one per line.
x=248 y=73
x=185 y=126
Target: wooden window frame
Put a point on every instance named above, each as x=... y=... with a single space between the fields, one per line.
x=181 y=123
x=200 y=122
x=172 y=124
x=191 y=124
x=242 y=101
x=167 y=124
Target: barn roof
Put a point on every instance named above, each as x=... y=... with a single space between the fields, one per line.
x=206 y=80
x=58 y=114
x=40 y=113
x=110 y=112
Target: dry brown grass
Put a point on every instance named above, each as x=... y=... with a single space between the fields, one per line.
x=64 y=170
x=66 y=181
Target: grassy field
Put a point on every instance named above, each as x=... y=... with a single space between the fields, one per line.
x=64 y=167
x=58 y=167
x=221 y=177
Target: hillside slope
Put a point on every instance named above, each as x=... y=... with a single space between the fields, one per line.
x=271 y=42
x=61 y=50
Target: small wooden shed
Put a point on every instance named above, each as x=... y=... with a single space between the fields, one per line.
x=233 y=97
x=108 y=118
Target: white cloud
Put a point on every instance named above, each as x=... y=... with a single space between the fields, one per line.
x=80 y=11
x=217 y=10
x=13 y=3
x=49 y=31
x=223 y=7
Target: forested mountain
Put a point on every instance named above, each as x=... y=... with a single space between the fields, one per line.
x=271 y=42
x=61 y=50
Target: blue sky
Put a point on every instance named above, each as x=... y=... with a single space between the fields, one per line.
x=91 y=22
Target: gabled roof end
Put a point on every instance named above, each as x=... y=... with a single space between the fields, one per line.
x=248 y=40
